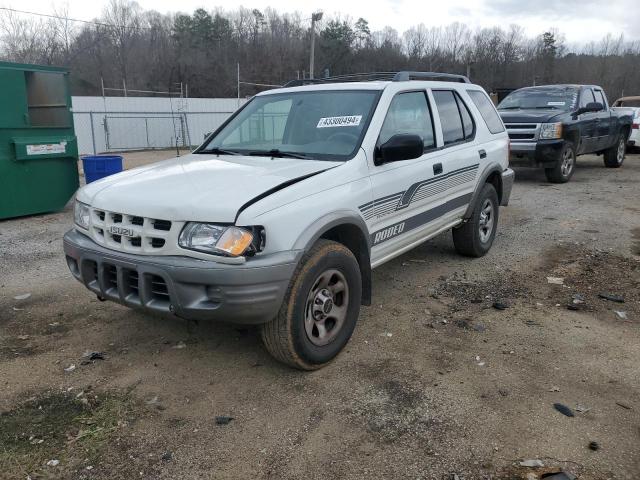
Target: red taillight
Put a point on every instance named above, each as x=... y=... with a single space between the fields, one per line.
x=636 y=126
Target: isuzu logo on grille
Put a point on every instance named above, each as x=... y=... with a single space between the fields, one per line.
x=124 y=231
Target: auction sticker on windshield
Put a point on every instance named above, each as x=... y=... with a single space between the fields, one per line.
x=345 y=121
x=557 y=104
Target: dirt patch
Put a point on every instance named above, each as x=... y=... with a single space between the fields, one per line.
x=72 y=431
x=636 y=236
x=585 y=275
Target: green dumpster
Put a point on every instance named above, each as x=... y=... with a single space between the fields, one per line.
x=38 y=146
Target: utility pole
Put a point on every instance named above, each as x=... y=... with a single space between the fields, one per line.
x=315 y=17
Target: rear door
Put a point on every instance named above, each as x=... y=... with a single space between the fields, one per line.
x=604 y=125
x=462 y=156
x=588 y=135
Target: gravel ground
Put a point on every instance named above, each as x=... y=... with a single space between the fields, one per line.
x=434 y=382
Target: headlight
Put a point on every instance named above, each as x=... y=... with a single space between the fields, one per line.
x=216 y=239
x=551 y=130
x=81 y=213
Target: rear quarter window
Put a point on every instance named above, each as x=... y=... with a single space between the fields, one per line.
x=487 y=110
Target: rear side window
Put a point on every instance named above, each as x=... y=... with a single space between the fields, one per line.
x=450 y=119
x=467 y=120
x=487 y=110
x=408 y=114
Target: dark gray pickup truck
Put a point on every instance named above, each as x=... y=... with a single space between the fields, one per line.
x=551 y=125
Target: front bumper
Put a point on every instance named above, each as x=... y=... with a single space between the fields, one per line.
x=542 y=152
x=508 y=177
x=250 y=293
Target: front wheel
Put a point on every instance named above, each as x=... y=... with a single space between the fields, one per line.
x=320 y=309
x=563 y=170
x=475 y=237
x=614 y=155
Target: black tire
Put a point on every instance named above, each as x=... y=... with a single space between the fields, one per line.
x=614 y=155
x=286 y=337
x=468 y=238
x=565 y=166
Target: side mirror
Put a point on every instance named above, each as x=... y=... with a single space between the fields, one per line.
x=400 y=147
x=590 y=107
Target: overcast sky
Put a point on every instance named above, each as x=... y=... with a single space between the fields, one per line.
x=580 y=20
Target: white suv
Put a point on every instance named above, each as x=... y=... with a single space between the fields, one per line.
x=280 y=216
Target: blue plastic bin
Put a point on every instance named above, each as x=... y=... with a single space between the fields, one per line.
x=99 y=166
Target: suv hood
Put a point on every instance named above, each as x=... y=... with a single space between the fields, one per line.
x=196 y=187
x=529 y=116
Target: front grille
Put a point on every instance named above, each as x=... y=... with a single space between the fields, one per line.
x=523 y=132
x=519 y=126
x=164 y=225
x=521 y=136
x=133 y=233
x=157 y=242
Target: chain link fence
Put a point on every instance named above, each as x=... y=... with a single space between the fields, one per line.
x=113 y=130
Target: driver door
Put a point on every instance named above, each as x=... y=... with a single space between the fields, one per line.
x=588 y=124
x=395 y=203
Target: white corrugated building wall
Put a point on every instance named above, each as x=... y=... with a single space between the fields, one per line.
x=105 y=124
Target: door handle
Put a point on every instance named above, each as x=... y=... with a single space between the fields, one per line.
x=437 y=169
x=482 y=153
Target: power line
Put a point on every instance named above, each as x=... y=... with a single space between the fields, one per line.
x=58 y=17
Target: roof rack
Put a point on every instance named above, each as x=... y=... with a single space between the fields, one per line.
x=380 y=76
x=447 y=77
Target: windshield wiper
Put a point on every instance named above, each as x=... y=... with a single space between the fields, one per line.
x=220 y=151
x=547 y=107
x=274 y=152
x=509 y=108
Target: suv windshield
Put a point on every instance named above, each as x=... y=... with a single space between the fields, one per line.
x=563 y=98
x=319 y=125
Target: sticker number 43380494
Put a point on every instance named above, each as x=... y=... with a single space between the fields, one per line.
x=345 y=121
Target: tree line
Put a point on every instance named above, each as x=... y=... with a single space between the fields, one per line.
x=147 y=50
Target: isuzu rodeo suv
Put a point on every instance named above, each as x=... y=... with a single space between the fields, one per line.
x=280 y=216
x=550 y=125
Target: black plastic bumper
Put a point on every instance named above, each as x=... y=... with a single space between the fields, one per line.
x=544 y=153
x=250 y=293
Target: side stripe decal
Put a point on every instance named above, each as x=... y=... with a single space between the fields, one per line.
x=418 y=191
x=416 y=221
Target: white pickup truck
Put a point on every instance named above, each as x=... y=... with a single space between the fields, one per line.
x=632 y=106
x=280 y=216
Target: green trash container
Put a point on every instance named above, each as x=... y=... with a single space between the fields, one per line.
x=38 y=146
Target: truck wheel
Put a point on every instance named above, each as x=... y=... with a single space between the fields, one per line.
x=475 y=237
x=614 y=155
x=320 y=308
x=565 y=166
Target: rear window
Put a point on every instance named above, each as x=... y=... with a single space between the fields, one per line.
x=487 y=110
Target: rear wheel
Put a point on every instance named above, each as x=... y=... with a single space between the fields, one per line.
x=563 y=170
x=320 y=309
x=475 y=237
x=614 y=155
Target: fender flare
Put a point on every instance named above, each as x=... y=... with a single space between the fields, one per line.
x=486 y=173
x=331 y=220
